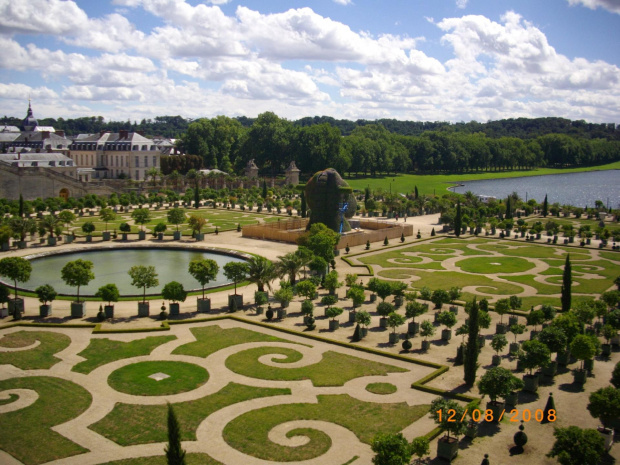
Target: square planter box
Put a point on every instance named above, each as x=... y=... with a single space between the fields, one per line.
x=141 y=235
x=200 y=237
x=513 y=320
x=530 y=383
x=175 y=309
x=176 y=235
x=68 y=239
x=51 y=241
x=106 y=235
x=282 y=313
x=16 y=305
x=238 y=298
x=364 y=331
x=512 y=399
x=123 y=236
x=394 y=338
x=383 y=322
x=45 y=310
x=454 y=309
x=425 y=346
x=334 y=325
x=259 y=310
x=89 y=238
x=78 y=309
x=160 y=236
x=496 y=408
x=501 y=328
x=447 y=448
x=4 y=312
x=5 y=247
x=514 y=347
x=204 y=305
x=352 y=315
x=109 y=311
x=563 y=358
x=143 y=309
x=580 y=376
x=413 y=328
x=446 y=334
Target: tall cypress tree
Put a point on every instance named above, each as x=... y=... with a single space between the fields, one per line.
x=416 y=192
x=508 y=208
x=21 y=206
x=458 y=220
x=567 y=282
x=264 y=189
x=545 y=208
x=303 y=206
x=175 y=455
x=470 y=364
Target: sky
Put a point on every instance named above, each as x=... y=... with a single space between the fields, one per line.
x=420 y=60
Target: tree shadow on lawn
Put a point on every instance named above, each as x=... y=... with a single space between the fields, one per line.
x=571 y=387
x=526 y=397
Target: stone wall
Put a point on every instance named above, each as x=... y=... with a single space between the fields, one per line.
x=33 y=182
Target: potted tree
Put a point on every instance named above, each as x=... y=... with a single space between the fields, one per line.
x=605 y=405
x=78 y=273
x=140 y=216
x=125 y=229
x=502 y=306
x=535 y=318
x=49 y=223
x=329 y=300
x=439 y=298
x=17 y=269
x=609 y=332
x=261 y=299
x=143 y=277
x=4 y=298
x=236 y=272
x=46 y=293
x=363 y=318
x=394 y=320
x=174 y=292
x=261 y=272
x=372 y=287
x=67 y=217
x=108 y=293
x=384 y=309
x=357 y=296
x=516 y=330
x=426 y=330
x=582 y=348
x=176 y=216
x=88 y=228
x=498 y=382
x=331 y=282
x=307 y=309
x=498 y=343
x=285 y=294
x=333 y=313
x=197 y=223
x=443 y=412
x=203 y=270
x=159 y=230
x=413 y=310
x=107 y=215
x=398 y=291
x=535 y=355
x=448 y=319
x=555 y=339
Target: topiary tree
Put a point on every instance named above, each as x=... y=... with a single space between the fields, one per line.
x=236 y=272
x=554 y=338
x=285 y=294
x=384 y=309
x=66 y=217
x=77 y=273
x=306 y=289
x=498 y=382
x=333 y=312
x=108 y=293
x=45 y=293
x=414 y=310
x=363 y=318
x=517 y=330
x=383 y=289
x=175 y=455
x=447 y=318
x=196 y=223
x=174 y=292
x=88 y=227
x=324 y=193
x=331 y=282
x=427 y=329
x=203 y=270
x=440 y=297
x=391 y=449
x=454 y=293
x=605 y=405
x=144 y=277
x=576 y=446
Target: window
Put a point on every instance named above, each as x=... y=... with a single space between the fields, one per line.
x=59 y=146
x=34 y=163
x=153 y=147
x=52 y=163
x=135 y=147
x=117 y=161
x=137 y=175
x=146 y=161
x=137 y=162
x=154 y=160
x=144 y=147
x=100 y=147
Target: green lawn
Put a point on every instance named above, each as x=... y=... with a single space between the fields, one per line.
x=210 y=339
x=448 y=279
x=134 y=379
x=334 y=369
x=27 y=434
x=438 y=183
x=190 y=459
x=495 y=265
x=102 y=351
x=248 y=433
x=38 y=358
x=381 y=388
x=129 y=424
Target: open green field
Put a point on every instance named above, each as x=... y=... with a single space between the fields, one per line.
x=438 y=183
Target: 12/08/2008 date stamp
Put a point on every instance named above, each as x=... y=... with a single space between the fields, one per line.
x=489 y=415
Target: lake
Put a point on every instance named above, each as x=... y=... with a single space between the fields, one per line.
x=578 y=189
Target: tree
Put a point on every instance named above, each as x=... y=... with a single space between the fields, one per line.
x=498 y=343
x=108 y=293
x=203 y=270
x=414 y=309
x=88 y=227
x=46 y=293
x=441 y=411
x=583 y=348
x=16 y=269
x=331 y=282
x=470 y=364
x=383 y=289
x=535 y=355
x=289 y=264
x=236 y=271
x=440 y=297
x=77 y=273
x=306 y=289
x=498 y=382
x=261 y=272
x=50 y=222
x=502 y=306
x=321 y=241
x=196 y=223
x=567 y=282
x=107 y=215
x=356 y=294
x=143 y=276
x=605 y=405
x=176 y=216
x=458 y=220
x=394 y=320
x=391 y=449
x=545 y=207
x=554 y=338
x=420 y=445
x=141 y=216
x=66 y=217
x=576 y=446
x=615 y=376
x=174 y=291
x=426 y=329
x=175 y=455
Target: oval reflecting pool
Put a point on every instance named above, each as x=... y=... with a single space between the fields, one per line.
x=112 y=265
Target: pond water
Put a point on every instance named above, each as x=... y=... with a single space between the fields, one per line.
x=111 y=266
x=578 y=189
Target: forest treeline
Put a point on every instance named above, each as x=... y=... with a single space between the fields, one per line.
x=369 y=147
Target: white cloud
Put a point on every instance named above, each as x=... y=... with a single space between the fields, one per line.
x=41 y=17
x=462 y=4
x=610 y=5
x=344 y=2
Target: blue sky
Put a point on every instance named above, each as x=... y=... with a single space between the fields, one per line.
x=430 y=60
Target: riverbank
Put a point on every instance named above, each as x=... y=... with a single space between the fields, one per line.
x=438 y=184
